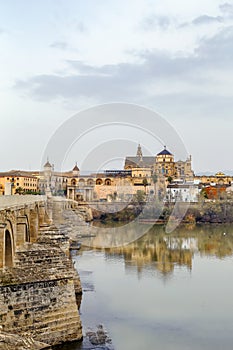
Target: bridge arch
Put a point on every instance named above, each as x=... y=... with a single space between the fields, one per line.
x=8 y=251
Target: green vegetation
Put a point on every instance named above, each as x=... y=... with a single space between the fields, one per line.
x=20 y=190
x=145 y=183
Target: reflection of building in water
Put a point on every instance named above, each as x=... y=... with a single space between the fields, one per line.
x=219 y=245
x=157 y=252
x=181 y=243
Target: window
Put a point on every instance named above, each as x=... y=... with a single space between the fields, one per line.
x=108 y=182
x=99 y=182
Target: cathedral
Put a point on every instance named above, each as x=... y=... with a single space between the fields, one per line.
x=161 y=165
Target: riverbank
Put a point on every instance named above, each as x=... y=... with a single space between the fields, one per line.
x=203 y=212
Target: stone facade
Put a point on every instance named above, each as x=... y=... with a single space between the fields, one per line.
x=14 y=180
x=37 y=296
x=162 y=164
x=38 y=285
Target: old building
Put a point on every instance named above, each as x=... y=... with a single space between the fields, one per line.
x=163 y=165
x=80 y=188
x=218 y=179
x=184 y=192
x=17 y=181
x=52 y=181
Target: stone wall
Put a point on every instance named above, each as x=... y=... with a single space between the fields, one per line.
x=15 y=342
x=37 y=296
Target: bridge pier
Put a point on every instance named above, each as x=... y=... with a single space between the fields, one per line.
x=22 y=229
x=33 y=225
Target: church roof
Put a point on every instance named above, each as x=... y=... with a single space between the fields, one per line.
x=137 y=162
x=47 y=165
x=76 y=168
x=164 y=152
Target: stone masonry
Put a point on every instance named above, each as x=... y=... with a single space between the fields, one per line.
x=39 y=299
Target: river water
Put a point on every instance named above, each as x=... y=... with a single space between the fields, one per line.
x=163 y=291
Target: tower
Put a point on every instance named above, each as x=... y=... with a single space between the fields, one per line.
x=139 y=152
x=75 y=171
x=164 y=163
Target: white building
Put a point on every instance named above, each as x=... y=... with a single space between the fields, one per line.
x=185 y=192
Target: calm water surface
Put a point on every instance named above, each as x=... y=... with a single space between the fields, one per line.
x=164 y=291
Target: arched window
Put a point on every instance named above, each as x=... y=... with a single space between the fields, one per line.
x=99 y=182
x=81 y=182
x=90 y=182
x=73 y=182
x=107 y=182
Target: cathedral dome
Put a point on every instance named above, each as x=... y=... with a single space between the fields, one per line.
x=164 y=152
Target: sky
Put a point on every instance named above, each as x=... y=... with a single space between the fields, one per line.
x=60 y=57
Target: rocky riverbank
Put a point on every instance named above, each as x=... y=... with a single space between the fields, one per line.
x=203 y=212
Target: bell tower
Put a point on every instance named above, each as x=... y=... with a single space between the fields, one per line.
x=139 y=152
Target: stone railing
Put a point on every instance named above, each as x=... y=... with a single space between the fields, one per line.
x=19 y=200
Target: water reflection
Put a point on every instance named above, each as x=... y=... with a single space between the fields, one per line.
x=163 y=252
x=164 y=291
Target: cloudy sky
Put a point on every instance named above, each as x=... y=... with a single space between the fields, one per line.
x=59 y=57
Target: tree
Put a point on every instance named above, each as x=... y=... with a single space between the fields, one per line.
x=145 y=183
x=19 y=190
x=169 y=179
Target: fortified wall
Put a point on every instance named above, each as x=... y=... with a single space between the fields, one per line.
x=38 y=283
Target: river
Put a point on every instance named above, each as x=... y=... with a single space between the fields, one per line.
x=163 y=291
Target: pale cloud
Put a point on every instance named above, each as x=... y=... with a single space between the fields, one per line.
x=158 y=74
x=154 y=22
x=227 y=9
x=205 y=19
x=81 y=27
x=62 y=45
x=87 y=52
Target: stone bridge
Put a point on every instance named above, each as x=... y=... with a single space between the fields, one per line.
x=20 y=219
x=38 y=283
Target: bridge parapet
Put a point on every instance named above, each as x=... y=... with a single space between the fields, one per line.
x=17 y=201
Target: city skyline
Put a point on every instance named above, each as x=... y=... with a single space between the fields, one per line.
x=59 y=58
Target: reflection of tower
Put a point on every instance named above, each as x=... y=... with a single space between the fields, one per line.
x=139 y=152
